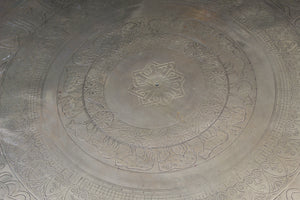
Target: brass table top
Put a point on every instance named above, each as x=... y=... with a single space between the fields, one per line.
x=149 y=99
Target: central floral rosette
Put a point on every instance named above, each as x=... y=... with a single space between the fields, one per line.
x=157 y=84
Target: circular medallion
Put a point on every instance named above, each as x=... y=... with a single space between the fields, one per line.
x=157 y=92
x=151 y=100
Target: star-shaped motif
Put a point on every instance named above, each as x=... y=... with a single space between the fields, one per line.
x=157 y=84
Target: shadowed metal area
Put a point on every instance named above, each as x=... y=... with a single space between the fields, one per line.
x=149 y=99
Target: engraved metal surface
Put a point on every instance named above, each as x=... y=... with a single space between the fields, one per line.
x=157 y=84
x=150 y=99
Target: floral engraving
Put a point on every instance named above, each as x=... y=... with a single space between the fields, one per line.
x=157 y=84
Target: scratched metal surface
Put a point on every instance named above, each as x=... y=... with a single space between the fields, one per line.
x=149 y=99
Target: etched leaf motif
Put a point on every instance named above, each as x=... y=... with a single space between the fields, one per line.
x=9 y=188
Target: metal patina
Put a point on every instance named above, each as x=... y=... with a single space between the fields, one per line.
x=149 y=99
